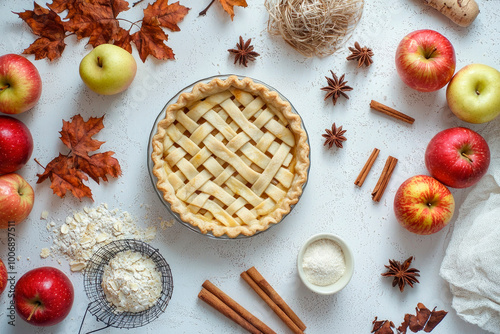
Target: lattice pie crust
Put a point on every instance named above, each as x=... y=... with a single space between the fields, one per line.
x=230 y=157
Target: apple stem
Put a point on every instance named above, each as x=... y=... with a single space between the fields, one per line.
x=33 y=311
x=430 y=54
x=4 y=87
x=465 y=155
x=99 y=61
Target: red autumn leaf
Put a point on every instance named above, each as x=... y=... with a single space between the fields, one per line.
x=99 y=165
x=67 y=172
x=77 y=134
x=98 y=21
x=48 y=25
x=60 y=6
x=167 y=15
x=149 y=40
x=65 y=177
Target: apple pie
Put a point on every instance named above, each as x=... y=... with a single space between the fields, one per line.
x=230 y=157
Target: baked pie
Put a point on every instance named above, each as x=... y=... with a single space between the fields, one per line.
x=230 y=157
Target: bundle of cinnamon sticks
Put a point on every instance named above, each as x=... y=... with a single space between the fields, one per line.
x=231 y=309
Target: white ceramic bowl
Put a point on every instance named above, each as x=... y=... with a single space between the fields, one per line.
x=349 y=262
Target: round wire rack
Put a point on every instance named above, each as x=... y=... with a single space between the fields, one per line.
x=106 y=312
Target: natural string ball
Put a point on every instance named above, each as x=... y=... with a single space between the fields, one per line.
x=314 y=27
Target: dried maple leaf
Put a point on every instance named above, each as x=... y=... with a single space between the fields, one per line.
x=228 y=6
x=424 y=319
x=48 y=25
x=167 y=15
x=95 y=19
x=67 y=172
x=98 y=21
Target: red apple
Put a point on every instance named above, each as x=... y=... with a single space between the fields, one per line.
x=16 y=199
x=16 y=144
x=3 y=276
x=423 y=205
x=43 y=296
x=20 y=84
x=457 y=157
x=425 y=60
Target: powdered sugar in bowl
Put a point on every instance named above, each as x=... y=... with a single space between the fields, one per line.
x=325 y=263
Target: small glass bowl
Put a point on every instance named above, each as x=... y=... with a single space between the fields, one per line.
x=150 y=163
x=349 y=263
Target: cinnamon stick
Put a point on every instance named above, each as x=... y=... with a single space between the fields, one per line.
x=384 y=178
x=219 y=305
x=391 y=112
x=274 y=300
x=237 y=308
x=366 y=168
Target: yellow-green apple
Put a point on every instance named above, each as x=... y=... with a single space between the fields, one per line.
x=423 y=205
x=3 y=276
x=16 y=199
x=43 y=296
x=108 y=69
x=473 y=93
x=457 y=157
x=20 y=84
x=16 y=144
x=425 y=60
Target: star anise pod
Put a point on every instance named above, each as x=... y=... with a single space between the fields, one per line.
x=334 y=136
x=244 y=52
x=402 y=273
x=336 y=87
x=362 y=54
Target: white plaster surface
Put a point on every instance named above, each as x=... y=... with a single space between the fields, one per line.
x=330 y=203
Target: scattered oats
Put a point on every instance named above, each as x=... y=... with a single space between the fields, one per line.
x=64 y=229
x=28 y=258
x=44 y=253
x=85 y=231
x=44 y=214
x=131 y=282
x=19 y=258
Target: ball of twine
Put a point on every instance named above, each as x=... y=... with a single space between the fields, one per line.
x=314 y=27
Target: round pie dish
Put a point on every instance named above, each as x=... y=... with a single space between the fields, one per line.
x=229 y=156
x=349 y=265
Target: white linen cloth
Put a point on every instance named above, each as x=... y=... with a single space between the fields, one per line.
x=472 y=261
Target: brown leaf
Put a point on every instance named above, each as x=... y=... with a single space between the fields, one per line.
x=77 y=134
x=65 y=177
x=167 y=15
x=96 y=19
x=60 y=6
x=99 y=165
x=123 y=39
x=67 y=172
x=149 y=40
x=382 y=326
x=228 y=5
x=48 y=25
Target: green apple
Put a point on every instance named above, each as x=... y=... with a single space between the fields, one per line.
x=473 y=94
x=108 y=69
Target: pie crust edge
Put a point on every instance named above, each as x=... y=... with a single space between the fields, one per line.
x=200 y=91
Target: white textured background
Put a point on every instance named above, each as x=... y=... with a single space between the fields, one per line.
x=330 y=203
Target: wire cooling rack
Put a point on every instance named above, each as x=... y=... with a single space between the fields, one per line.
x=106 y=312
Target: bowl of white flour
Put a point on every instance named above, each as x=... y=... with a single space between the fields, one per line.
x=325 y=263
